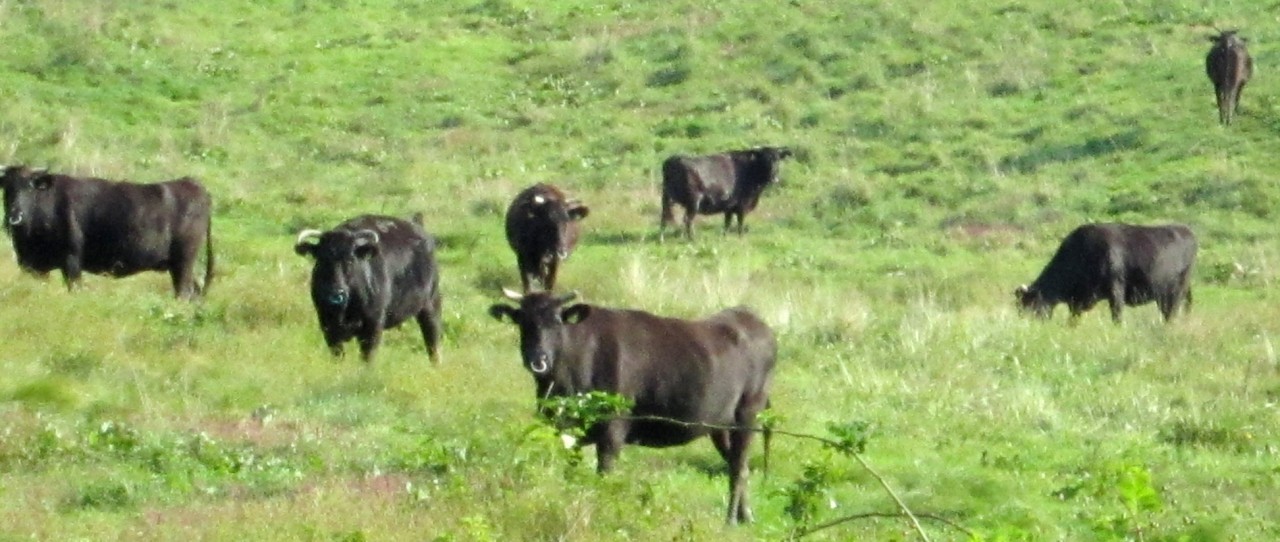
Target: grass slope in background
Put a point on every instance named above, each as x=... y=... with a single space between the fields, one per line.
x=942 y=153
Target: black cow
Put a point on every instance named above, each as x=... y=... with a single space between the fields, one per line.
x=729 y=183
x=714 y=371
x=542 y=229
x=1121 y=263
x=1229 y=67
x=75 y=225
x=372 y=273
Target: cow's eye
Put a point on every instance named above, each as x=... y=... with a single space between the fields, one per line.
x=338 y=298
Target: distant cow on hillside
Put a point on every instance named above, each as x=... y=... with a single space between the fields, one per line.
x=1121 y=263
x=729 y=183
x=542 y=229
x=1229 y=67
x=372 y=273
x=78 y=224
x=713 y=371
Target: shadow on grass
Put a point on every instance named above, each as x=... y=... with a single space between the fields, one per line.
x=1093 y=147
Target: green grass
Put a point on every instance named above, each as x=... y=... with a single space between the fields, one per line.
x=942 y=153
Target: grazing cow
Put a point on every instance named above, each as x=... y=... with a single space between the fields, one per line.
x=1121 y=263
x=729 y=183
x=372 y=273
x=75 y=225
x=1229 y=67
x=710 y=372
x=542 y=229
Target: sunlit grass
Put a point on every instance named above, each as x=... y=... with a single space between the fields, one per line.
x=939 y=160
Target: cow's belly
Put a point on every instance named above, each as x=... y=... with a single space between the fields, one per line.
x=660 y=434
x=123 y=264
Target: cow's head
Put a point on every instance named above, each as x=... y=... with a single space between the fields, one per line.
x=549 y=209
x=1227 y=39
x=541 y=318
x=766 y=160
x=25 y=189
x=342 y=263
x=1030 y=299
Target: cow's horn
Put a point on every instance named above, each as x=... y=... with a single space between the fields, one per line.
x=366 y=237
x=567 y=297
x=1021 y=290
x=307 y=234
x=512 y=294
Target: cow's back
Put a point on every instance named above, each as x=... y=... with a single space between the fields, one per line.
x=1160 y=253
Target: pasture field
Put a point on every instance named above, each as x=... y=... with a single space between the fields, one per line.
x=942 y=151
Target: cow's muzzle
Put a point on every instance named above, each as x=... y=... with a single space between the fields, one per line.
x=337 y=298
x=540 y=364
x=16 y=218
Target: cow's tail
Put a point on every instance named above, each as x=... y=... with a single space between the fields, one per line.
x=208 y=254
x=672 y=170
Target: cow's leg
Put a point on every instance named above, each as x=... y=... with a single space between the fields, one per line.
x=71 y=272
x=1115 y=298
x=72 y=263
x=739 y=442
x=369 y=339
x=1239 y=91
x=610 y=444
x=182 y=271
x=1224 y=107
x=527 y=271
x=667 y=216
x=549 y=275
x=429 y=322
x=335 y=345
x=1167 y=302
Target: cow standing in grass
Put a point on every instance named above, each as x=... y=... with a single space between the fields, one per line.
x=1229 y=67
x=79 y=224
x=710 y=372
x=542 y=229
x=729 y=183
x=1121 y=263
x=372 y=273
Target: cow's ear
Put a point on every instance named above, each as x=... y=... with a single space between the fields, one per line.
x=580 y=212
x=575 y=313
x=305 y=249
x=43 y=182
x=365 y=252
x=498 y=310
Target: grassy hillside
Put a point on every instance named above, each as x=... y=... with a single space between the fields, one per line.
x=942 y=153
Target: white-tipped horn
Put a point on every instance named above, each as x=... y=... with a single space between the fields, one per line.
x=567 y=297
x=366 y=237
x=307 y=234
x=512 y=294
